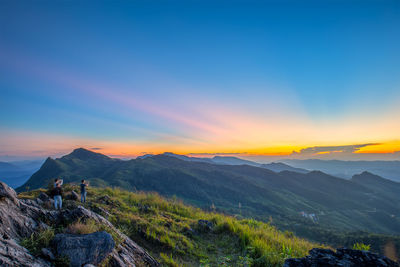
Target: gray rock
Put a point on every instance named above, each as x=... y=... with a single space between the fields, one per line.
x=72 y=196
x=84 y=249
x=7 y=192
x=100 y=211
x=342 y=257
x=43 y=226
x=47 y=254
x=105 y=200
x=89 y=265
x=43 y=197
x=70 y=204
x=128 y=253
x=18 y=219
x=39 y=201
x=205 y=225
x=12 y=254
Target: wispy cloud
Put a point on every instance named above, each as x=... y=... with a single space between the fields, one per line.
x=346 y=149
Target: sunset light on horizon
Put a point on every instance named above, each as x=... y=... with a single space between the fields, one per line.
x=201 y=79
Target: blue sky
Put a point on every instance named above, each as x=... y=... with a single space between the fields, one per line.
x=264 y=77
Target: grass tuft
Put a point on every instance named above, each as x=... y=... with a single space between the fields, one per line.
x=361 y=246
x=38 y=240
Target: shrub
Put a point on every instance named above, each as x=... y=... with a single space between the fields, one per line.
x=168 y=260
x=80 y=227
x=361 y=246
x=90 y=226
x=61 y=261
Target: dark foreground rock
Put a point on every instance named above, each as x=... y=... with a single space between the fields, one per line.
x=205 y=226
x=84 y=249
x=342 y=257
x=20 y=218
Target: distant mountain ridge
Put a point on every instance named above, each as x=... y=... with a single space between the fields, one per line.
x=349 y=205
x=228 y=160
x=279 y=167
x=16 y=173
x=346 y=169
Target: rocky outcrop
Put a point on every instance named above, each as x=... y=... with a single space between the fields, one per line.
x=72 y=196
x=84 y=249
x=126 y=253
x=7 y=192
x=342 y=257
x=205 y=226
x=20 y=218
x=12 y=254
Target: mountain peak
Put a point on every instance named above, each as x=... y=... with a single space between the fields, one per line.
x=170 y=154
x=82 y=153
x=145 y=156
x=366 y=175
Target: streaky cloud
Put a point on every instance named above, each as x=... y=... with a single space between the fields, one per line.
x=332 y=149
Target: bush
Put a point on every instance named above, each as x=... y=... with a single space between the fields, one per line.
x=80 y=227
x=168 y=260
x=90 y=226
x=361 y=246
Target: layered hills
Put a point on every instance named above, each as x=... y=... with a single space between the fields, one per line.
x=18 y=172
x=346 y=169
x=297 y=201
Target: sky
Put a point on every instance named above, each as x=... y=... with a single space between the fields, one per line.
x=257 y=79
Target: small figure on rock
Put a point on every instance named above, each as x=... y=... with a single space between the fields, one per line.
x=83 y=190
x=57 y=195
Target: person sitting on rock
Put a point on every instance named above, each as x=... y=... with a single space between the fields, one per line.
x=83 y=190
x=57 y=195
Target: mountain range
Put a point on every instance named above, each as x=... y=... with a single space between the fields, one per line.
x=18 y=172
x=291 y=200
x=338 y=168
x=226 y=160
x=346 y=169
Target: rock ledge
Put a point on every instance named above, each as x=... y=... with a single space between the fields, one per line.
x=342 y=257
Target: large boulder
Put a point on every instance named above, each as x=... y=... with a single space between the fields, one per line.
x=84 y=249
x=342 y=257
x=7 y=193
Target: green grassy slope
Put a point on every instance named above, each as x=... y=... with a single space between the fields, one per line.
x=169 y=230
